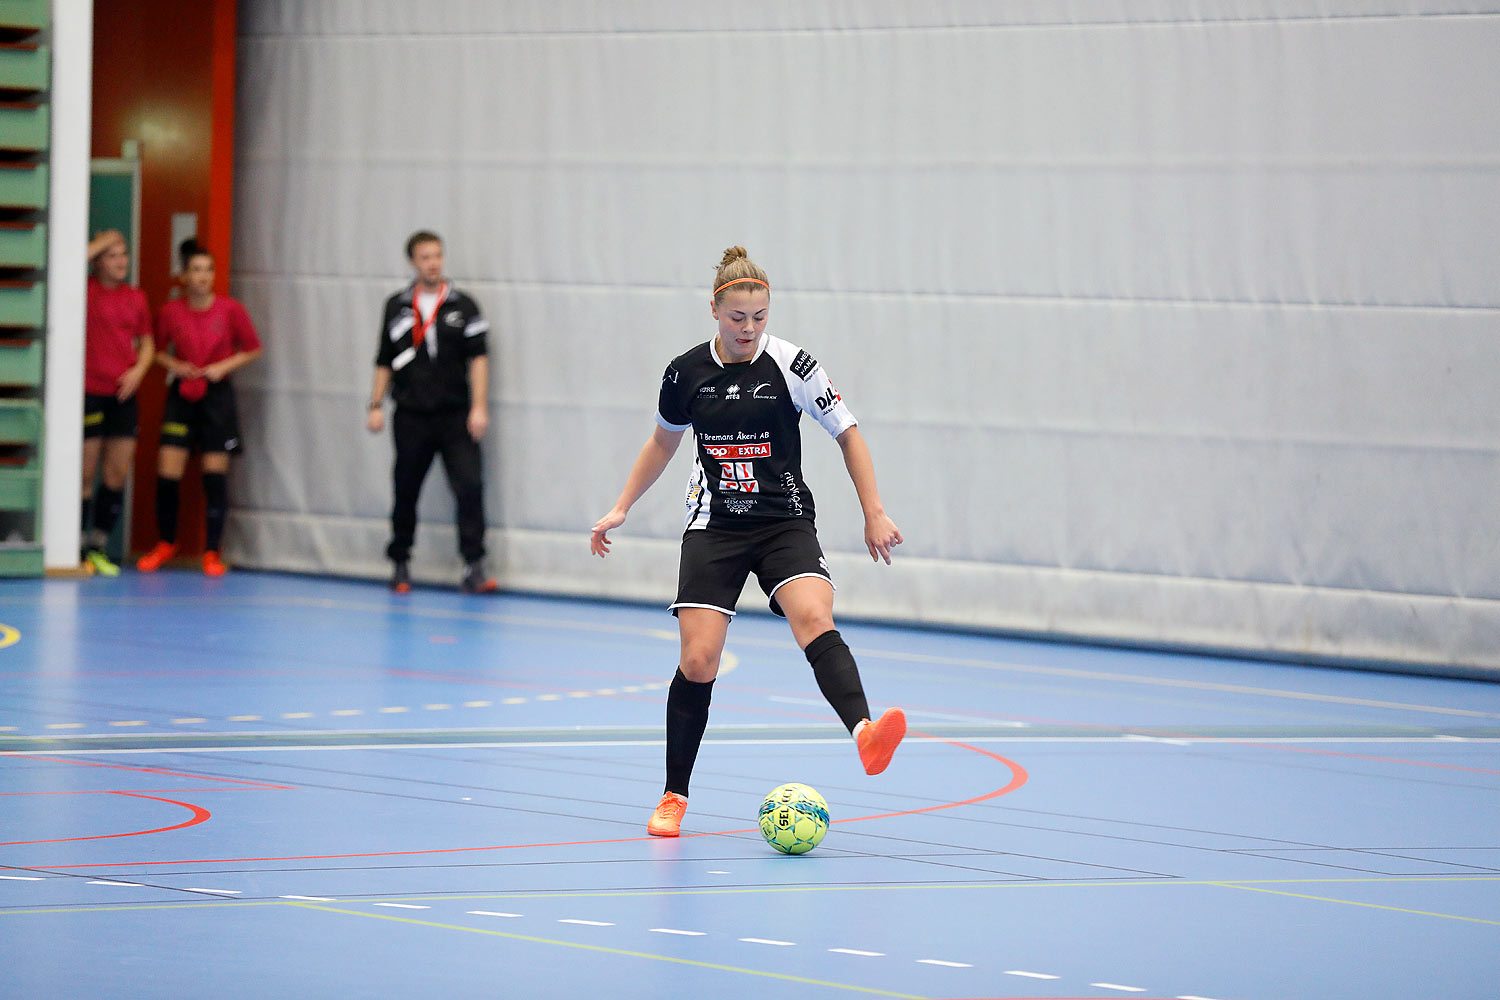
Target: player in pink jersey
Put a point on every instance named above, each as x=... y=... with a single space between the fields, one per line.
x=118 y=347
x=204 y=339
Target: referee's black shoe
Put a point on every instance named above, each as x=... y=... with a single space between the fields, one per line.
x=401 y=578
x=475 y=582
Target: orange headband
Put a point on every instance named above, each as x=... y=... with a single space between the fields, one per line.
x=736 y=281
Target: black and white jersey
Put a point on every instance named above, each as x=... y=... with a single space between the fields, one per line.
x=432 y=375
x=748 y=465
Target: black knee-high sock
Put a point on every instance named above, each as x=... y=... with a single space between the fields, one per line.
x=87 y=520
x=107 y=512
x=215 y=507
x=166 y=509
x=838 y=677
x=687 y=717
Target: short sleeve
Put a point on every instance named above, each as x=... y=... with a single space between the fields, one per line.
x=143 y=316
x=385 y=345
x=241 y=330
x=476 y=332
x=817 y=397
x=670 y=411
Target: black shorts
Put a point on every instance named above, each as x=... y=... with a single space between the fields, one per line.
x=209 y=424
x=716 y=563
x=107 y=417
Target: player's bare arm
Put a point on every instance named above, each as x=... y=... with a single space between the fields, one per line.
x=649 y=465
x=881 y=533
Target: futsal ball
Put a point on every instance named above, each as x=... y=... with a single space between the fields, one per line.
x=793 y=819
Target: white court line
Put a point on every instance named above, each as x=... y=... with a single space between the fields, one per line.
x=840 y=740
x=939 y=961
x=102 y=882
x=217 y=892
x=1029 y=975
x=404 y=906
x=670 y=930
x=492 y=913
x=313 y=899
x=856 y=951
x=586 y=923
x=1117 y=986
x=21 y=878
x=779 y=944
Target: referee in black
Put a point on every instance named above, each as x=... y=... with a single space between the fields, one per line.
x=433 y=357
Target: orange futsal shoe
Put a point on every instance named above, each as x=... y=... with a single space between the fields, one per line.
x=212 y=564
x=878 y=740
x=667 y=820
x=160 y=553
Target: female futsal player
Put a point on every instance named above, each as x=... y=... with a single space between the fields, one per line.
x=204 y=339
x=118 y=347
x=748 y=510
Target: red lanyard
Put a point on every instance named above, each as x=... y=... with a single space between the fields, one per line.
x=422 y=326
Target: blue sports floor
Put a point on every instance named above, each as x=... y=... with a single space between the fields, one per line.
x=276 y=786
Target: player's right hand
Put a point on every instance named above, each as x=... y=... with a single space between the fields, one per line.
x=599 y=541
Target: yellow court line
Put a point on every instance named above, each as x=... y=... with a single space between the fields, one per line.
x=1352 y=902
x=9 y=636
x=611 y=951
x=760 y=890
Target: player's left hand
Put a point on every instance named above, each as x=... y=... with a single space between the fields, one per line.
x=479 y=422
x=599 y=539
x=881 y=535
x=215 y=372
x=127 y=384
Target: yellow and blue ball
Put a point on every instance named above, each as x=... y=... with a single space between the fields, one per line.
x=793 y=818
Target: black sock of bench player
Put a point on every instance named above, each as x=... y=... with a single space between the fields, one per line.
x=687 y=717
x=166 y=509
x=215 y=507
x=838 y=677
x=107 y=513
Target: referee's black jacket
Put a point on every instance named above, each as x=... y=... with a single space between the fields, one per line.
x=434 y=376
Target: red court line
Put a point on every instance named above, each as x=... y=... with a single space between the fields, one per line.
x=199 y=815
x=1018 y=778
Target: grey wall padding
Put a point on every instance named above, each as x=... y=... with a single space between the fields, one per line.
x=1163 y=327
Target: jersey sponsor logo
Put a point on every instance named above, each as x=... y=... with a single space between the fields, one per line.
x=454 y=317
x=738 y=477
x=793 y=493
x=739 y=505
x=829 y=399
x=803 y=365
x=761 y=449
x=707 y=390
x=733 y=392
x=756 y=393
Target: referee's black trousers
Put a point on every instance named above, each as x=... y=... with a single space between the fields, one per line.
x=420 y=437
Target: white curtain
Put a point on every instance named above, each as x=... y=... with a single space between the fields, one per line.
x=1168 y=322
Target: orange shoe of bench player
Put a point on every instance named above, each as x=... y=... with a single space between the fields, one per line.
x=878 y=740
x=212 y=564
x=160 y=553
x=666 y=821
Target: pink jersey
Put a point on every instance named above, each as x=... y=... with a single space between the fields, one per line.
x=117 y=318
x=203 y=336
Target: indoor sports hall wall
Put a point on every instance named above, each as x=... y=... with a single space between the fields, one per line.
x=1164 y=326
